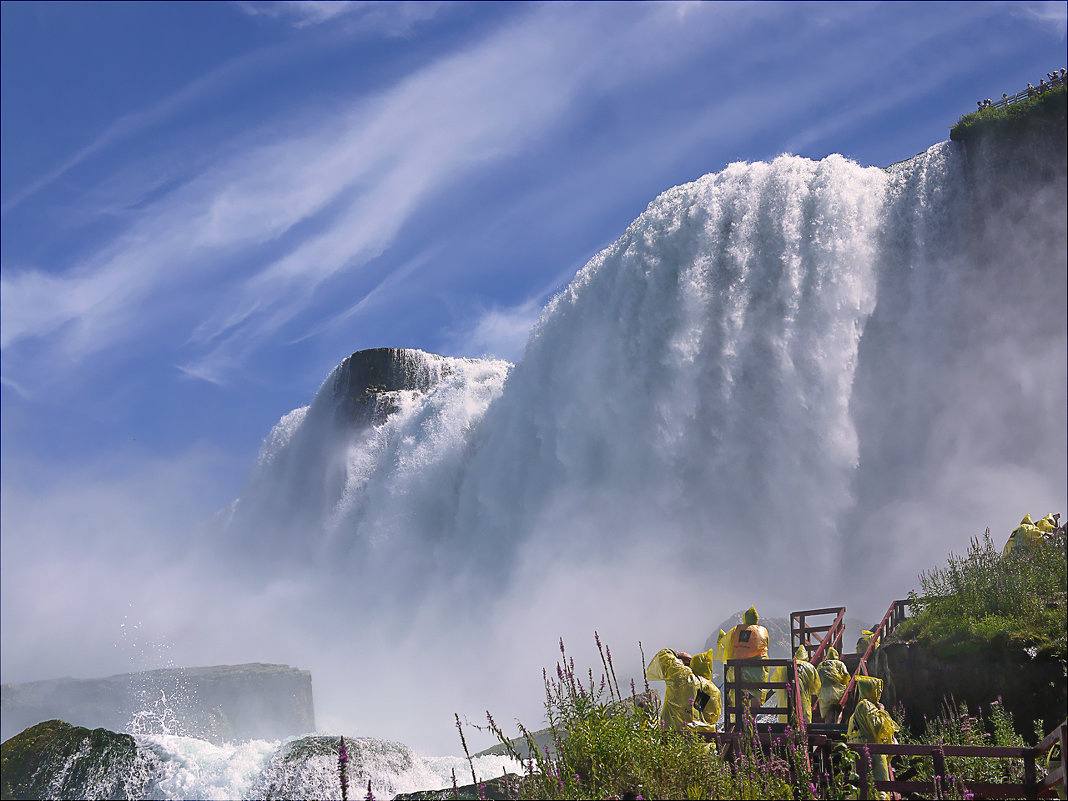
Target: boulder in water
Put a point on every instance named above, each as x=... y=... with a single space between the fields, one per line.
x=307 y=767
x=56 y=760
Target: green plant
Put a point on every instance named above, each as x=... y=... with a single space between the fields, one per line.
x=985 y=599
x=610 y=747
x=1050 y=102
x=957 y=726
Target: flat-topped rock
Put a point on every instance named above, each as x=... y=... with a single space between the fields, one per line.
x=218 y=703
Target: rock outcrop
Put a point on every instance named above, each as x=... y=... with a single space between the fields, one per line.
x=502 y=788
x=220 y=703
x=56 y=760
x=921 y=680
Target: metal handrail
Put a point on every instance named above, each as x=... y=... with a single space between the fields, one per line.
x=1030 y=787
x=894 y=616
x=1019 y=97
x=800 y=631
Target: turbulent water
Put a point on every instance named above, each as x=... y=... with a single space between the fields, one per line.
x=185 y=767
x=167 y=766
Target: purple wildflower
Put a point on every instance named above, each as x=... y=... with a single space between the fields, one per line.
x=342 y=769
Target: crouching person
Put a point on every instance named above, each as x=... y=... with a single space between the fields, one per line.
x=691 y=700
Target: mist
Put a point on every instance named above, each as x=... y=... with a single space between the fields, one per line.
x=794 y=384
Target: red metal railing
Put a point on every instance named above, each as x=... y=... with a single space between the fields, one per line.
x=801 y=633
x=893 y=617
x=1031 y=787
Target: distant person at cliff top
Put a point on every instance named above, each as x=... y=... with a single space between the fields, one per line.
x=748 y=640
x=1030 y=534
x=691 y=700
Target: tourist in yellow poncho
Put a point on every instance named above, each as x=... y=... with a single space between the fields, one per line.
x=872 y=724
x=865 y=641
x=808 y=680
x=691 y=700
x=1029 y=534
x=833 y=681
x=747 y=640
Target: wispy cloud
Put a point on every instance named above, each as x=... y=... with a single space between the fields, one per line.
x=500 y=332
x=266 y=235
x=1052 y=15
x=383 y=18
x=361 y=173
x=218 y=81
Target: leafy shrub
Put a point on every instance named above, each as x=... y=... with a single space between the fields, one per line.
x=1010 y=118
x=985 y=599
x=956 y=726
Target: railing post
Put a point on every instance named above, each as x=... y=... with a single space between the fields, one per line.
x=1030 y=775
x=865 y=783
x=939 y=771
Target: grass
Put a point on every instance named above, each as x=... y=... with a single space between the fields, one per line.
x=1012 y=118
x=985 y=601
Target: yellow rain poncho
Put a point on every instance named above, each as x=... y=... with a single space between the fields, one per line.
x=747 y=640
x=807 y=679
x=872 y=724
x=691 y=700
x=865 y=640
x=1047 y=524
x=833 y=681
x=1027 y=534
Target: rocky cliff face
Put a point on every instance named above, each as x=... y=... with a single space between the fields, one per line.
x=225 y=702
x=362 y=383
x=1031 y=688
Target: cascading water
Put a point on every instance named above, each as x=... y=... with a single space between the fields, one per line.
x=709 y=373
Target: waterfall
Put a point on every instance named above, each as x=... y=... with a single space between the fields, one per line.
x=794 y=384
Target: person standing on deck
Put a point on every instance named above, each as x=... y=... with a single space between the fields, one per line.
x=748 y=640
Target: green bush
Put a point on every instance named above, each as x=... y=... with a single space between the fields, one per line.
x=1051 y=102
x=956 y=726
x=986 y=600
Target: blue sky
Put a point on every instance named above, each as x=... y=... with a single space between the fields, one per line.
x=206 y=206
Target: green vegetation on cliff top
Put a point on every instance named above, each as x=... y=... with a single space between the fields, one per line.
x=1012 y=119
x=985 y=601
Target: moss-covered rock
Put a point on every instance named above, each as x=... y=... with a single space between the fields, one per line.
x=501 y=788
x=56 y=760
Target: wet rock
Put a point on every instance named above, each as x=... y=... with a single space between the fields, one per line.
x=56 y=760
